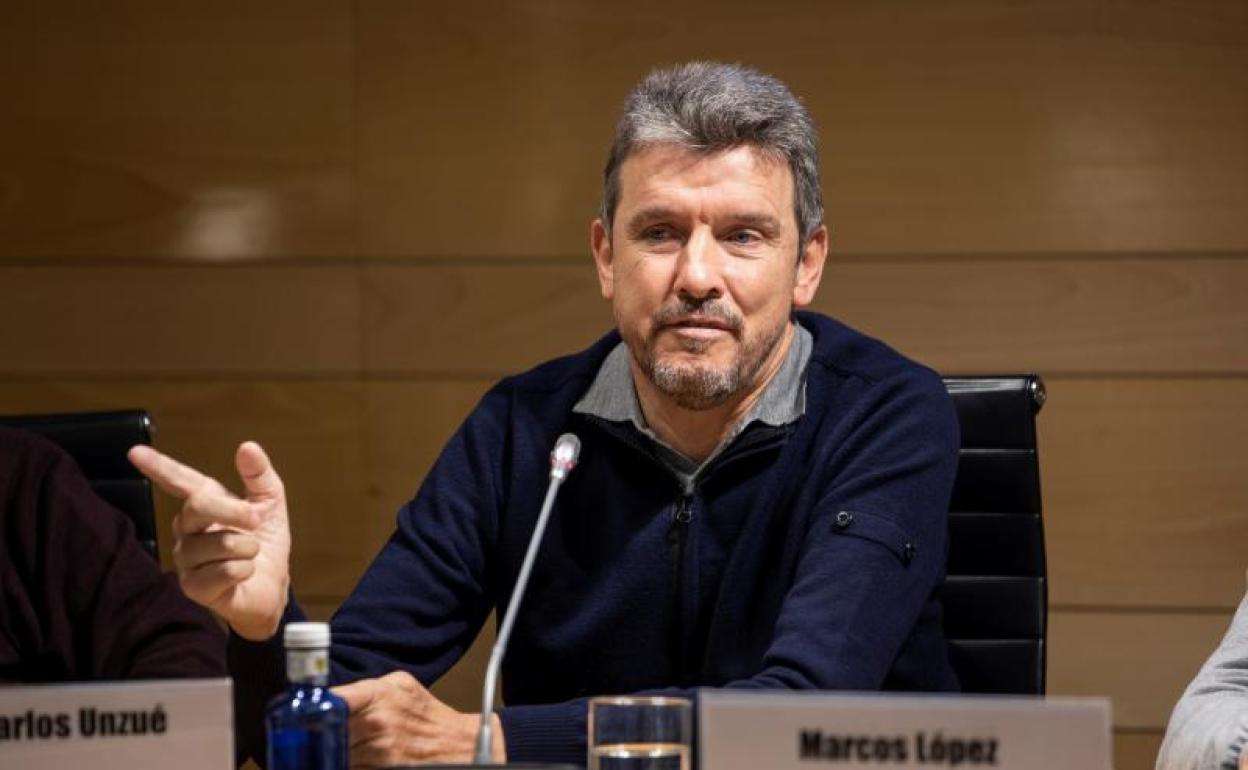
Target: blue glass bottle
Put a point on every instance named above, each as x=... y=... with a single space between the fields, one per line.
x=307 y=724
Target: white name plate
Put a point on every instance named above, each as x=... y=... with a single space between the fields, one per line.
x=184 y=723
x=740 y=730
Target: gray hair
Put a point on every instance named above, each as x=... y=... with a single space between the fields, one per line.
x=709 y=107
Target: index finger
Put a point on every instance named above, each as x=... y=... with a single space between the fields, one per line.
x=170 y=475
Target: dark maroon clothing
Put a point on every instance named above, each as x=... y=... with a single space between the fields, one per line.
x=79 y=598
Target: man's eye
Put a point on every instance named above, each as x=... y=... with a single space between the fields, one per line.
x=657 y=234
x=744 y=237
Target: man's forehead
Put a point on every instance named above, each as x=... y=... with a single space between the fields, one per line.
x=678 y=158
x=662 y=167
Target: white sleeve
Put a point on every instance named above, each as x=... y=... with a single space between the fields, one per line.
x=1209 y=725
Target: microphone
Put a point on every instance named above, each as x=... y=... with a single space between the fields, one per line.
x=562 y=460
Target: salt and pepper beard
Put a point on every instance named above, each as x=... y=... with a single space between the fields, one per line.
x=701 y=385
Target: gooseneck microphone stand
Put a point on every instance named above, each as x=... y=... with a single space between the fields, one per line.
x=562 y=460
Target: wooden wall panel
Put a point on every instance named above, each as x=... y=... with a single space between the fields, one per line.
x=158 y=129
x=1136 y=750
x=1143 y=661
x=73 y=320
x=461 y=686
x=1145 y=484
x=477 y=320
x=1066 y=316
x=956 y=127
x=1132 y=315
x=406 y=425
x=320 y=611
x=1118 y=316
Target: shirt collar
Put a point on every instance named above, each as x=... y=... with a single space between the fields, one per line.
x=613 y=397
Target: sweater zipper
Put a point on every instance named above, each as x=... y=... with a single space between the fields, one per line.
x=676 y=535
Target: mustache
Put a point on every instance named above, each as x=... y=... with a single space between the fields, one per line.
x=685 y=310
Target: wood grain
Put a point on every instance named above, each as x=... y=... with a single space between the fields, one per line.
x=952 y=128
x=1068 y=316
x=164 y=320
x=176 y=129
x=1136 y=750
x=470 y=320
x=406 y=424
x=1145 y=484
x=164 y=130
x=1142 y=661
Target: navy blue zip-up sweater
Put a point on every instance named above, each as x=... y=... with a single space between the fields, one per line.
x=806 y=557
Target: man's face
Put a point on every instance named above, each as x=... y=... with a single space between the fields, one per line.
x=702 y=267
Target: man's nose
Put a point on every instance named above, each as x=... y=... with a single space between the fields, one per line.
x=699 y=271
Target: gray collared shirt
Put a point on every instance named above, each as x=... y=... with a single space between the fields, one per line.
x=612 y=396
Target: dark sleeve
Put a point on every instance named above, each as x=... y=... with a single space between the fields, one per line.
x=423 y=599
x=97 y=606
x=425 y=596
x=862 y=584
x=259 y=673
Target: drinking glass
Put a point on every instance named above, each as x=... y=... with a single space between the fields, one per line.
x=639 y=733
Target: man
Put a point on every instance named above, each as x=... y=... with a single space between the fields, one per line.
x=760 y=500
x=80 y=600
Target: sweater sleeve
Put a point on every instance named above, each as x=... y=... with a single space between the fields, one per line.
x=1209 y=725
x=861 y=604
x=422 y=601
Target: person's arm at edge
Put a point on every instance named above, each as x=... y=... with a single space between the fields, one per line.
x=1209 y=725
x=139 y=624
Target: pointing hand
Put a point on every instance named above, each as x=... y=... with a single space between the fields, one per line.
x=232 y=555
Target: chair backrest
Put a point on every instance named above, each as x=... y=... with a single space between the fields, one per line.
x=98 y=442
x=996 y=594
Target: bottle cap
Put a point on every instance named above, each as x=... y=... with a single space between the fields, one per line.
x=306 y=636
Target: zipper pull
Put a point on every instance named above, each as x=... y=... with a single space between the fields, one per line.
x=684 y=511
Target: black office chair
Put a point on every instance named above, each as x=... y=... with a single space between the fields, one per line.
x=98 y=442
x=996 y=593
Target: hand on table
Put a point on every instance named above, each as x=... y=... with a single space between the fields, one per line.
x=232 y=555
x=396 y=721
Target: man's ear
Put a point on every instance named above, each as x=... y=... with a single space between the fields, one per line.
x=810 y=267
x=600 y=245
